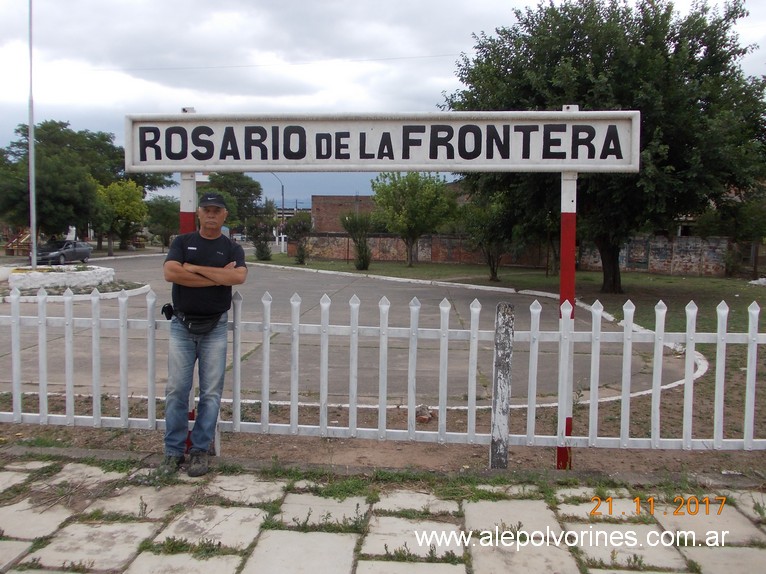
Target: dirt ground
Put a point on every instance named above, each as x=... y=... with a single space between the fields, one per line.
x=364 y=455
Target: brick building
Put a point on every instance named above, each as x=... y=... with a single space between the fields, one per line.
x=326 y=210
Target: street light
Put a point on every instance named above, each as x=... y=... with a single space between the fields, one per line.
x=283 y=196
x=281 y=233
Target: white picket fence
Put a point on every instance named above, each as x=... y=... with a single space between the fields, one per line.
x=35 y=335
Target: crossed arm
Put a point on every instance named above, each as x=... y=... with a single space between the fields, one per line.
x=190 y=275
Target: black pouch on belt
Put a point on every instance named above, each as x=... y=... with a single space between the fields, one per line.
x=198 y=324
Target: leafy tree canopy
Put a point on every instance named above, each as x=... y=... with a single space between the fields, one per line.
x=703 y=122
x=412 y=205
x=243 y=196
x=124 y=209
x=163 y=217
x=69 y=167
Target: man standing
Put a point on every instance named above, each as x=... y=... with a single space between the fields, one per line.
x=203 y=266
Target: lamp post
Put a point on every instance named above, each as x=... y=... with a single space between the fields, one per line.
x=282 y=217
x=32 y=169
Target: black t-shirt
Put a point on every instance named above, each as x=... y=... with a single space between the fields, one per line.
x=195 y=249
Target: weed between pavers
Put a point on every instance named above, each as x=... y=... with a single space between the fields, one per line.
x=356 y=525
x=404 y=554
x=205 y=548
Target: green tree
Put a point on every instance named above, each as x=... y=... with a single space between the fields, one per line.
x=243 y=196
x=412 y=205
x=297 y=229
x=702 y=120
x=743 y=221
x=163 y=218
x=64 y=189
x=126 y=209
x=484 y=223
x=261 y=231
x=359 y=226
x=69 y=166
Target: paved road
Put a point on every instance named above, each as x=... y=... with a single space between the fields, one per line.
x=283 y=283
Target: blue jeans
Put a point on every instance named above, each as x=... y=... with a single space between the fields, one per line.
x=185 y=349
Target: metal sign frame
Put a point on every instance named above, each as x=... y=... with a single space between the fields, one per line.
x=574 y=141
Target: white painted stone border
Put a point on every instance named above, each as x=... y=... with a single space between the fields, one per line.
x=64 y=276
x=59 y=276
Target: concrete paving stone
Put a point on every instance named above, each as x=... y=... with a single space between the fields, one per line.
x=506 y=514
x=399 y=500
x=27 y=465
x=245 y=489
x=10 y=551
x=750 y=503
x=521 y=490
x=144 y=501
x=290 y=552
x=624 y=545
x=619 y=509
x=549 y=559
x=83 y=475
x=730 y=560
x=389 y=567
x=234 y=527
x=305 y=484
x=389 y=534
x=613 y=571
x=27 y=521
x=150 y=563
x=737 y=527
x=9 y=479
x=316 y=510
x=108 y=546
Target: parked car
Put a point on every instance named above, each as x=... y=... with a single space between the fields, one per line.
x=63 y=252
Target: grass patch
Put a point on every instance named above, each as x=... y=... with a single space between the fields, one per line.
x=123 y=466
x=343 y=488
x=229 y=468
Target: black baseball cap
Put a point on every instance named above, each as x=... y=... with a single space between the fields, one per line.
x=212 y=199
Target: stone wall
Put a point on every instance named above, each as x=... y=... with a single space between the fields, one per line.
x=666 y=255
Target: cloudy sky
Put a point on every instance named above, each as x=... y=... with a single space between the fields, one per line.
x=97 y=60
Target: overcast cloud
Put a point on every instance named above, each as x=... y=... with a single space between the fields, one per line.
x=96 y=61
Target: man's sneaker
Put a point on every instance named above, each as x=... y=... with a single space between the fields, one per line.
x=197 y=464
x=169 y=465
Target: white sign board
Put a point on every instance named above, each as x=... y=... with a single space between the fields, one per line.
x=576 y=141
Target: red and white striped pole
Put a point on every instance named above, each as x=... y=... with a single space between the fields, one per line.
x=187 y=224
x=567 y=293
x=188 y=216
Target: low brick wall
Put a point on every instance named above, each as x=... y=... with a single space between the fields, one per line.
x=431 y=249
x=667 y=256
x=650 y=254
